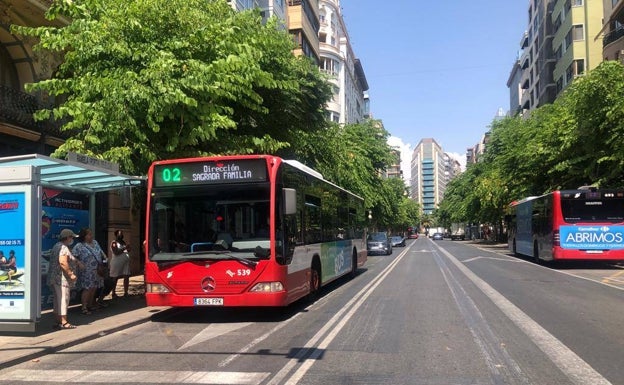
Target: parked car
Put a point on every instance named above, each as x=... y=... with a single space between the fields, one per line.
x=437 y=236
x=397 y=241
x=378 y=243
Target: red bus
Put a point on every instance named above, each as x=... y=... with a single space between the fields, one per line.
x=253 y=230
x=584 y=224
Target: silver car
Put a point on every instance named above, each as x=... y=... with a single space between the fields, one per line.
x=378 y=243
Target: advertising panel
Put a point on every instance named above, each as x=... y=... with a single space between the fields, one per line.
x=587 y=237
x=59 y=210
x=13 y=255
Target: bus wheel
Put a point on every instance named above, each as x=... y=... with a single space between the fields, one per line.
x=353 y=264
x=315 y=280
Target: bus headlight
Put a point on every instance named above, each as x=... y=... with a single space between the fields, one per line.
x=156 y=288
x=267 y=287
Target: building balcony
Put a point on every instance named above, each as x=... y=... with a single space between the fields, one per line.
x=17 y=109
x=613 y=36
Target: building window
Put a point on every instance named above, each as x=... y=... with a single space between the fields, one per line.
x=568 y=40
x=577 y=3
x=579 y=67
x=578 y=32
x=569 y=74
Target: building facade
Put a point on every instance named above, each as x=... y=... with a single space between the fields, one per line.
x=394 y=170
x=537 y=61
x=452 y=168
x=303 y=25
x=575 y=24
x=558 y=45
x=269 y=8
x=428 y=180
x=350 y=102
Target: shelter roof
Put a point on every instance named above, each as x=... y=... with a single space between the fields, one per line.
x=74 y=175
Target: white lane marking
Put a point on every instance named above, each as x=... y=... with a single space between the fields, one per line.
x=493 y=258
x=503 y=368
x=212 y=331
x=573 y=366
x=309 y=353
x=141 y=377
x=256 y=341
x=571 y=274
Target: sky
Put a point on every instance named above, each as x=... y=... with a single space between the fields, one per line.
x=436 y=69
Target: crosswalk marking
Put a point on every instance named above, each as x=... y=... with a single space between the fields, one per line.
x=142 y=377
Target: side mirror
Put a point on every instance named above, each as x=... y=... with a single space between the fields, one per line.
x=290 y=201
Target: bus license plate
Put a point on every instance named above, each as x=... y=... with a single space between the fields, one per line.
x=208 y=301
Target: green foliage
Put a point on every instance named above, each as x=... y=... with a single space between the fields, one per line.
x=354 y=156
x=149 y=79
x=577 y=140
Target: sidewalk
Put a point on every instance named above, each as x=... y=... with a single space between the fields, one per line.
x=120 y=314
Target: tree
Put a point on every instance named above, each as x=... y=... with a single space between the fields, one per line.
x=150 y=79
x=577 y=140
x=352 y=156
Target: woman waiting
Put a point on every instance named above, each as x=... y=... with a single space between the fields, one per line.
x=62 y=276
x=89 y=252
x=120 y=262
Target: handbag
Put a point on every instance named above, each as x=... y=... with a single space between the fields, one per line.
x=102 y=268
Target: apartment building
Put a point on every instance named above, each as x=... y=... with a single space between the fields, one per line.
x=452 y=167
x=268 y=8
x=394 y=170
x=612 y=30
x=303 y=24
x=428 y=181
x=349 y=103
x=558 y=45
x=575 y=24
x=537 y=61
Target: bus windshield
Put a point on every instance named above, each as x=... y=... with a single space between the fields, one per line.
x=215 y=222
x=585 y=210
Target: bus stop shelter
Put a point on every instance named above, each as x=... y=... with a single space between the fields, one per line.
x=39 y=196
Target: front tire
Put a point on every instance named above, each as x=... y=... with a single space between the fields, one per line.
x=315 y=280
x=353 y=264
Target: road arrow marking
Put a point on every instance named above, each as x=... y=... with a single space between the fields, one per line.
x=212 y=331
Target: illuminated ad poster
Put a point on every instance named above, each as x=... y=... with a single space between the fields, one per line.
x=59 y=210
x=12 y=251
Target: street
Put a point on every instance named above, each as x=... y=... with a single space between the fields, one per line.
x=434 y=312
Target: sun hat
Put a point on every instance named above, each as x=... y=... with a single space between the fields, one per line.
x=67 y=233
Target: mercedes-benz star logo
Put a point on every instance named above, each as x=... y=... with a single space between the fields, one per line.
x=208 y=284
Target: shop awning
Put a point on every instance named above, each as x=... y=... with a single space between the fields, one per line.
x=74 y=175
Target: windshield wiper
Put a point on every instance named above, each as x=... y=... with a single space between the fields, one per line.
x=244 y=261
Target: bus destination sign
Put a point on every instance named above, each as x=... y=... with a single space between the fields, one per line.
x=210 y=172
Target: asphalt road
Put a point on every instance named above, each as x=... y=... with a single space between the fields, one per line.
x=432 y=313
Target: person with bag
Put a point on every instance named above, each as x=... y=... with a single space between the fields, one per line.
x=89 y=252
x=120 y=262
x=62 y=276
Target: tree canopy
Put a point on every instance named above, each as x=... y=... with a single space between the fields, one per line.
x=148 y=79
x=578 y=140
x=355 y=157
